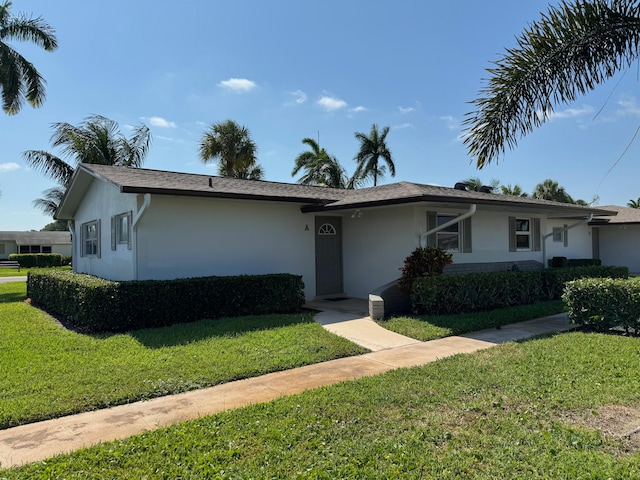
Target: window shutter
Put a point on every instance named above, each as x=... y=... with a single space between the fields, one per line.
x=114 y=229
x=535 y=233
x=99 y=238
x=466 y=235
x=566 y=236
x=512 y=234
x=83 y=238
x=129 y=232
x=431 y=224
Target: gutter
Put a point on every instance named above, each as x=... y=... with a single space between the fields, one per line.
x=139 y=214
x=564 y=230
x=472 y=210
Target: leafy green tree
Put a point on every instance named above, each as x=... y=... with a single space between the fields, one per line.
x=55 y=226
x=96 y=140
x=550 y=190
x=373 y=148
x=634 y=203
x=475 y=183
x=516 y=190
x=568 y=51
x=19 y=79
x=231 y=145
x=319 y=167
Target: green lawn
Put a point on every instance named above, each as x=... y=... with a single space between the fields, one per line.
x=430 y=327
x=13 y=272
x=517 y=411
x=48 y=371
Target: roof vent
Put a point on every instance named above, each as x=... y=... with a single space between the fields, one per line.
x=461 y=186
x=486 y=189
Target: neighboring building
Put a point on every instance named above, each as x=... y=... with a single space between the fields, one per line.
x=34 y=242
x=617 y=238
x=147 y=224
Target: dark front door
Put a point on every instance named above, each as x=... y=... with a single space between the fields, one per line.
x=328 y=255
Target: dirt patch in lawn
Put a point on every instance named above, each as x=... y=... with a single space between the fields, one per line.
x=621 y=422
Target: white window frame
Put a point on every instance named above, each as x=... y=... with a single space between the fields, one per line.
x=123 y=228
x=558 y=234
x=90 y=235
x=450 y=231
x=524 y=233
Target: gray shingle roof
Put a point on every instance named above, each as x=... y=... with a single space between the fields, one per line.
x=625 y=215
x=138 y=180
x=37 y=238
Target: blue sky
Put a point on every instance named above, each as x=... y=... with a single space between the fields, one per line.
x=293 y=69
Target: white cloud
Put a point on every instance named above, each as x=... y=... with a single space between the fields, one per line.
x=628 y=106
x=358 y=109
x=9 y=167
x=299 y=97
x=161 y=122
x=402 y=126
x=239 y=85
x=331 y=103
x=451 y=122
x=568 y=113
x=405 y=110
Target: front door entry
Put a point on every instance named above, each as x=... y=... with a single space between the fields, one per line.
x=328 y=255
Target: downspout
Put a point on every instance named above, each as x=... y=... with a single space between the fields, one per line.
x=134 y=228
x=564 y=230
x=423 y=237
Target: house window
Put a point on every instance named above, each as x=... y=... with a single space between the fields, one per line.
x=558 y=234
x=454 y=238
x=523 y=234
x=327 y=229
x=448 y=238
x=45 y=249
x=121 y=230
x=29 y=249
x=90 y=238
x=2 y=248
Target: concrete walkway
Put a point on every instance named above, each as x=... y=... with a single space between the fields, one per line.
x=13 y=279
x=38 y=441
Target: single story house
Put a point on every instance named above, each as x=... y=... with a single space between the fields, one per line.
x=34 y=242
x=148 y=224
x=618 y=238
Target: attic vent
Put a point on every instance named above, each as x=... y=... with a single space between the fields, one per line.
x=461 y=186
x=210 y=182
x=486 y=189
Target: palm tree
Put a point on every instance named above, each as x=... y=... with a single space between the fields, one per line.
x=96 y=140
x=570 y=50
x=373 y=147
x=231 y=145
x=19 y=79
x=516 y=190
x=320 y=167
x=634 y=203
x=475 y=183
x=550 y=190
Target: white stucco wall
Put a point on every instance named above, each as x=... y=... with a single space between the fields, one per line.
x=620 y=246
x=579 y=240
x=101 y=202
x=189 y=237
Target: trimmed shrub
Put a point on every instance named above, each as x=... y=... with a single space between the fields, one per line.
x=37 y=260
x=474 y=292
x=559 y=262
x=92 y=304
x=423 y=261
x=604 y=303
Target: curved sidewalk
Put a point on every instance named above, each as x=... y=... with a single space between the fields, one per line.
x=37 y=441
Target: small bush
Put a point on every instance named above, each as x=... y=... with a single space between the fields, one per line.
x=92 y=304
x=37 y=260
x=559 y=262
x=423 y=262
x=604 y=303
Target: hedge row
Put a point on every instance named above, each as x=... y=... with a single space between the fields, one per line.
x=560 y=262
x=92 y=304
x=474 y=292
x=30 y=260
x=604 y=303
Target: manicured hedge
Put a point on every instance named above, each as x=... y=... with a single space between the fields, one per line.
x=604 y=303
x=561 y=262
x=31 y=260
x=474 y=292
x=92 y=304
